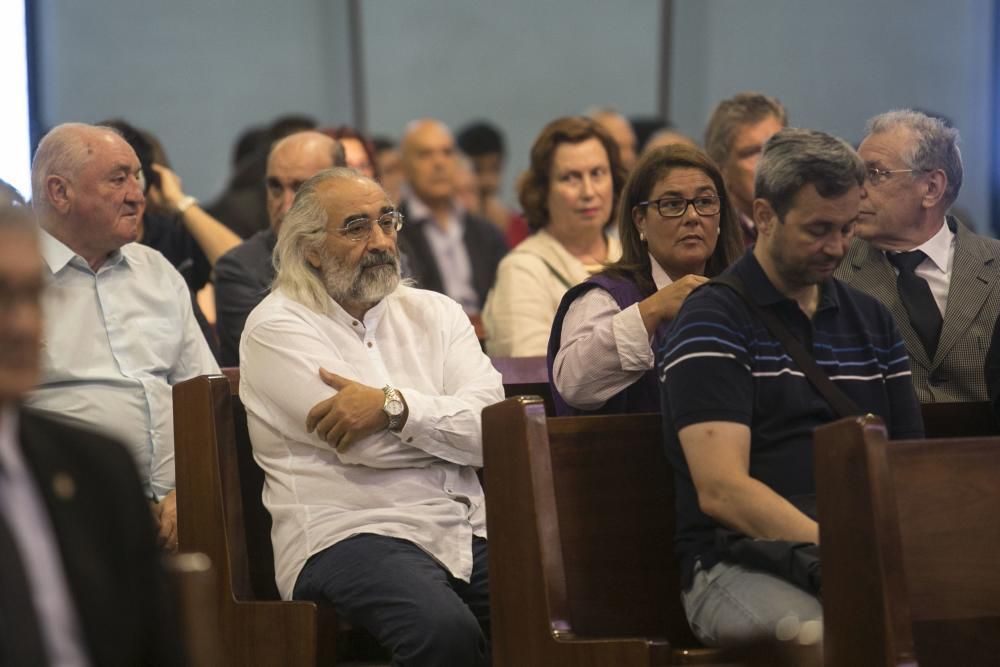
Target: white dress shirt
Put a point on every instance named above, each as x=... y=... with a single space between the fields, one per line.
x=24 y=511
x=448 y=247
x=419 y=484
x=115 y=342
x=936 y=268
x=603 y=349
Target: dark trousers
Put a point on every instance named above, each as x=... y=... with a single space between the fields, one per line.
x=404 y=598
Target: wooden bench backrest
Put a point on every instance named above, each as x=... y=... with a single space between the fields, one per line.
x=581 y=536
x=526 y=376
x=959 y=420
x=909 y=533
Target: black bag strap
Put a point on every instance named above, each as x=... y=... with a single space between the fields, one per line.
x=841 y=403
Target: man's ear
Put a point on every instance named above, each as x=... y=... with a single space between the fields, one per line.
x=935 y=184
x=59 y=193
x=313 y=257
x=764 y=217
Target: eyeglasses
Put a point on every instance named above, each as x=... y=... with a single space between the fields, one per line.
x=675 y=207
x=877 y=176
x=360 y=230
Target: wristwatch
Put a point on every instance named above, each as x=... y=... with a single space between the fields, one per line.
x=393 y=407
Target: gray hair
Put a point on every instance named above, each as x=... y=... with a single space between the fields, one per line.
x=733 y=113
x=63 y=151
x=304 y=230
x=795 y=158
x=934 y=145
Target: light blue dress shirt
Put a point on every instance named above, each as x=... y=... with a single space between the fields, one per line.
x=115 y=342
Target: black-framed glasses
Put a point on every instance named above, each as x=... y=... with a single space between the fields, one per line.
x=361 y=229
x=877 y=176
x=675 y=207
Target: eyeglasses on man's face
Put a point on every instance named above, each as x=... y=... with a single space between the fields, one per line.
x=675 y=207
x=875 y=176
x=361 y=229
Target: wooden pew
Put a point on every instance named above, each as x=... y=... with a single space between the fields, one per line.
x=526 y=376
x=220 y=513
x=581 y=528
x=958 y=420
x=909 y=532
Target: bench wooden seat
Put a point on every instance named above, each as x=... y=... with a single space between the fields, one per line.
x=220 y=513
x=581 y=527
x=909 y=532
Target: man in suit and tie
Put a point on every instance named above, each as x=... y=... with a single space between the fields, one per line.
x=80 y=575
x=450 y=250
x=940 y=280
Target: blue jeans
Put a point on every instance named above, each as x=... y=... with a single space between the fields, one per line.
x=404 y=598
x=729 y=605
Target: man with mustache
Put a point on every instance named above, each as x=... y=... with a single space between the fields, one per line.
x=921 y=262
x=119 y=326
x=739 y=412
x=363 y=400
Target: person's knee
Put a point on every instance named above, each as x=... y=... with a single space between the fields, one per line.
x=445 y=636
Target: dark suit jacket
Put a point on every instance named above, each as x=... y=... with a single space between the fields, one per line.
x=483 y=241
x=243 y=277
x=956 y=371
x=107 y=542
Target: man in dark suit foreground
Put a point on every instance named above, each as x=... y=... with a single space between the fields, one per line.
x=940 y=280
x=80 y=575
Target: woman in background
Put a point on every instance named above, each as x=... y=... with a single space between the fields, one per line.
x=568 y=195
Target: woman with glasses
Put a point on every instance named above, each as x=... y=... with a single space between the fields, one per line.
x=677 y=228
x=568 y=195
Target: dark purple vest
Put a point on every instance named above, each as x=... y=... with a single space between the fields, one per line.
x=643 y=395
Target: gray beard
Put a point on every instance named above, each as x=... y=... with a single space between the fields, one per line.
x=369 y=281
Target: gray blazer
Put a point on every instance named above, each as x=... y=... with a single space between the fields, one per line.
x=956 y=372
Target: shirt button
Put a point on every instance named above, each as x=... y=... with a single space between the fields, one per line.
x=370 y=343
x=410 y=439
x=354 y=323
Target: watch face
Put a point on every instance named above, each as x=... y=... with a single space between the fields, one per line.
x=394 y=407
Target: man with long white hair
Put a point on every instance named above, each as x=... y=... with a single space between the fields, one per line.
x=363 y=400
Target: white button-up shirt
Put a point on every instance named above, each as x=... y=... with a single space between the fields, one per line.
x=936 y=268
x=115 y=342
x=419 y=484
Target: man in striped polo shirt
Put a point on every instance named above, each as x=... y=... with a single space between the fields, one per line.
x=739 y=413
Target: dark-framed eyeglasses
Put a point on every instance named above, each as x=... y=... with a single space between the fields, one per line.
x=675 y=207
x=876 y=176
x=361 y=229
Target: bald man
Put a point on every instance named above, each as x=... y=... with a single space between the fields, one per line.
x=243 y=276
x=119 y=327
x=620 y=129
x=450 y=250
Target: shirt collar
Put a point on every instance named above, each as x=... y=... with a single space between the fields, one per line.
x=938 y=247
x=660 y=277
x=760 y=288
x=9 y=455
x=57 y=254
x=370 y=320
x=419 y=211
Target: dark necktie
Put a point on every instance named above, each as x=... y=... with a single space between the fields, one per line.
x=20 y=635
x=916 y=296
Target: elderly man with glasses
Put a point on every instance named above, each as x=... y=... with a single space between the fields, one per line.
x=363 y=400
x=940 y=280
